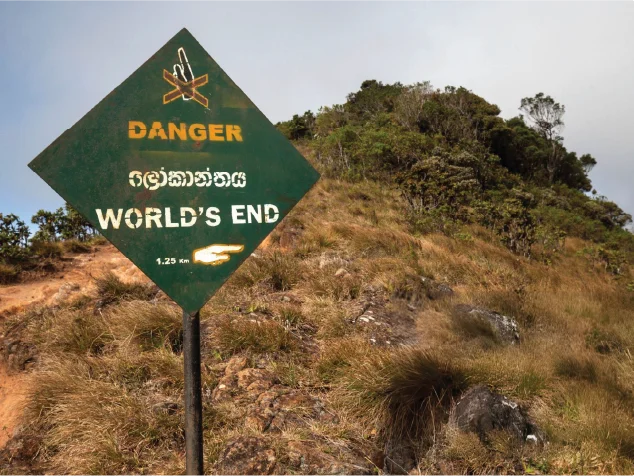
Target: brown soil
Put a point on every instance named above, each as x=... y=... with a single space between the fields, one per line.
x=13 y=391
x=78 y=269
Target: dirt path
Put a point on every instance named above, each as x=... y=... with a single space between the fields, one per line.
x=79 y=269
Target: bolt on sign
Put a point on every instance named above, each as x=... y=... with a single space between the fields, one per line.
x=179 y=170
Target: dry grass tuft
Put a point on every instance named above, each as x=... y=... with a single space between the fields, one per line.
x=98 y=427
x=74 y=331
x=47 y=249
x=147 y=325
x=76 y=246
x=232 y=336
x=280 y=271
x=112 y=290
x=576 y=368
x=406 y=393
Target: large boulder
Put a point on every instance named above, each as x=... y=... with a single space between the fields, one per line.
x=503 y=328
x=482 y=411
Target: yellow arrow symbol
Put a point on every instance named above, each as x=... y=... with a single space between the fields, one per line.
x=216 y=254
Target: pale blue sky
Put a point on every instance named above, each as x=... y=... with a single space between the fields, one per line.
x=60 y=59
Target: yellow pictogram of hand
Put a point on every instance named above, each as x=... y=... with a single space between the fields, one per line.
x=216 y=254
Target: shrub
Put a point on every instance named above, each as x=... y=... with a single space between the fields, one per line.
x=14 y=237
x=75 y=246
x=511 y=220
x=9 y=273
x=47 y=249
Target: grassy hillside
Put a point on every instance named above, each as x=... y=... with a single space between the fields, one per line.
x=342 y=344
x=107 y=387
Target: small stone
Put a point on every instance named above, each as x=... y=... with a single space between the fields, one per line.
x=364 y=319
x=286 y=299
x=340 y=272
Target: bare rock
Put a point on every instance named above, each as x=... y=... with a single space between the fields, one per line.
x=503 y=327
x=235 y=364
x=255 y=381
x=280 y=408
x=306 y=458
x=65 y=291
x=481 y=411
x=247 y=455
x=228 y=384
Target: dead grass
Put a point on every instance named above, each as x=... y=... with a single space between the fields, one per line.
x=47 y=249
x=237 y=335
x=150 y=326
x=99 y=427
x=277 y=270
x=406 y=393
x=76 y=246
x=294 y=310
x=112 y=290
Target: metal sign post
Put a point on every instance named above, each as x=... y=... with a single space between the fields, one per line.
x=193 y=394
x=180 y=171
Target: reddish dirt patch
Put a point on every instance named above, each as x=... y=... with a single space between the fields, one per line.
x=13 y=393
x=80 y=269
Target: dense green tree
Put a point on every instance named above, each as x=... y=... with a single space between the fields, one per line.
x=48 y=223
x=455 y=159
x=299 y=127
x=14 y=237
x=64 y=223
x=373 y=98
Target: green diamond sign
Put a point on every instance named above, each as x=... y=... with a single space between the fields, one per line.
x=179 y=170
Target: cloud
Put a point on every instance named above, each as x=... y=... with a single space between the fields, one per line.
x=62 y=58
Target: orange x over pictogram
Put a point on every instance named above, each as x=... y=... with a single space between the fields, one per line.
x=187 y=89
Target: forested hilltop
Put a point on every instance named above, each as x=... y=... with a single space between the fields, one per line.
x=457 y=162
